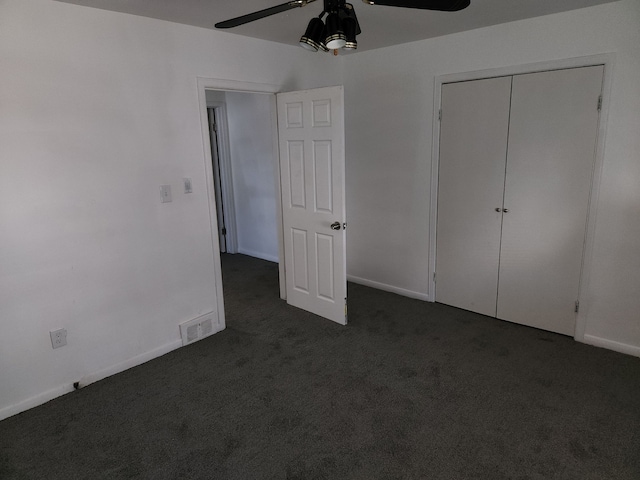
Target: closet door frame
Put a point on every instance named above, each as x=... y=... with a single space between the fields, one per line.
x=607 y=60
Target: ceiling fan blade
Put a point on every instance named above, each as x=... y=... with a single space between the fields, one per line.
x=251 y=17
x=442 y=5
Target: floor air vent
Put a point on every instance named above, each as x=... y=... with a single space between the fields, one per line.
x=196 y=329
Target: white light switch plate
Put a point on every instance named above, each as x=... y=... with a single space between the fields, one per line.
x=165 y=193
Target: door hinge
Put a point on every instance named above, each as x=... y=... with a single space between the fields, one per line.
x=434 y=277
x=577 y=306
x=440 y=114
x=224 y=231
x=600 y=102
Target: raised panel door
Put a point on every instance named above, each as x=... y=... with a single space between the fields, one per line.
x=311 y=138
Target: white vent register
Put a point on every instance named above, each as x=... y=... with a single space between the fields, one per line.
x=198 y=328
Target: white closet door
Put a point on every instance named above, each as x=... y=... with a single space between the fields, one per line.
x=552 y=141
x=473 y=145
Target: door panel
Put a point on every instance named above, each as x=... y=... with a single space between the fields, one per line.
x=322 y=176
x=295 y=168
x=473 y=147
x=324 y=249
x=552 y=141
x=299 y=260
x=311 y=137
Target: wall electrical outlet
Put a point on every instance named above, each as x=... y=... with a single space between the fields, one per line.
x=58 y=338
x=187 y=185
x=165 y=193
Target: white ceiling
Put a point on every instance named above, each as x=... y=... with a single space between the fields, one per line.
x=381 y=26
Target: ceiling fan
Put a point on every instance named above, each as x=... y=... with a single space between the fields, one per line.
x=341 y=26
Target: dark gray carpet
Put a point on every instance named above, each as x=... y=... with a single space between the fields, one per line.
x=408 y=390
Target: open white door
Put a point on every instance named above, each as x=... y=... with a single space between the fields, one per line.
x=311 y=138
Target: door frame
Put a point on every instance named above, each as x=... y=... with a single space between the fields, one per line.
x=226 y=183
x=204 y=84
x=607 y=60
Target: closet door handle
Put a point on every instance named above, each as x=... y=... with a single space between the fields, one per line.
x=498 y=210
x=505 y=210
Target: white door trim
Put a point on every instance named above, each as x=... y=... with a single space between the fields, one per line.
x=605 y=59
x=226 y=181
x=204 y=84
x=275 y=141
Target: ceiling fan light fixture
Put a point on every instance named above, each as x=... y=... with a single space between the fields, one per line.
x=350 y=29
x=307 y=44
x=335 y=35
x=323 y=47
x=313 y=36
x=342 y=26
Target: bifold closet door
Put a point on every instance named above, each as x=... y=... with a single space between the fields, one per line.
x=473 y=146
x=552 y=140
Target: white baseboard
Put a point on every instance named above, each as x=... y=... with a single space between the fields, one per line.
x=612 y=345
x=44 y=397
x=34 y=401
x=261 y=255
x=388 y=288
x=130 y=363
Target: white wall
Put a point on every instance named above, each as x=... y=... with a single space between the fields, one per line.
x=253 y=171
x=389 y=111
x=97 y=110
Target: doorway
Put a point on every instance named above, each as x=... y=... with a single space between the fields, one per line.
x=205 y=85
x=323 y=161
x=244 y=173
